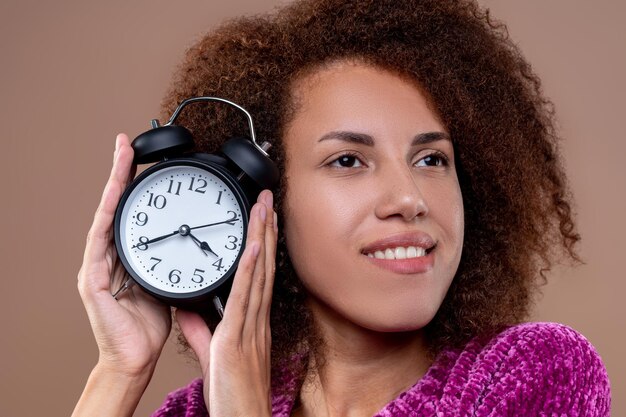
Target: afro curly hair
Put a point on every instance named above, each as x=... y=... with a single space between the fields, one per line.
x=518 y=216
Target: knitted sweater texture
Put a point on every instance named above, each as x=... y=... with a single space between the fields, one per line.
x=530 y=369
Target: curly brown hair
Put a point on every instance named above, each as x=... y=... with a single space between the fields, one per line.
x=518 y=216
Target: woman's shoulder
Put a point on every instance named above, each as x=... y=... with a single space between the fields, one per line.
x=536 y=340
x=187 y=401
x=533 y=368
x=546 y=346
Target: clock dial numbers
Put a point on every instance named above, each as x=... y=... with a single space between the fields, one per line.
x=158 y=261
x=175 y=218
x=233 y=219
x=159 y=201
x=218 y=264
x=197 y=277
x=232 y=242
x=143 y=243
x=176 y=187
x=200 y=185
x=197 y=185
x=141 y=219
x=174 y=276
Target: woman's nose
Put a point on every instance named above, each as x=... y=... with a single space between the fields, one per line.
x=399 y=194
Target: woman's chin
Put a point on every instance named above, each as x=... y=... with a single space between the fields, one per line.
x=391 y=320
x=396 y=324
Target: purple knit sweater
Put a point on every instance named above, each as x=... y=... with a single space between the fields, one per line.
x=531 y=369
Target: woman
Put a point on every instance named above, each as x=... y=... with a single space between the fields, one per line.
x=422 y=195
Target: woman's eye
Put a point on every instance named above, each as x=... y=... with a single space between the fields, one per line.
x=432 y=160
x=346 y=161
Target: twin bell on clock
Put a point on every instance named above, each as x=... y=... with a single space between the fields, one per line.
x=181 y=225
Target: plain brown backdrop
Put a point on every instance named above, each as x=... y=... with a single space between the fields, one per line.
x=75 y=73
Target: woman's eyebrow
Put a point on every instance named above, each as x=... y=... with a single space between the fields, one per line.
x=365 y=139
x=348 y=136
x=428 y=137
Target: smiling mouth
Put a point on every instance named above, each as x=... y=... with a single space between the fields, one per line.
x=400 y=252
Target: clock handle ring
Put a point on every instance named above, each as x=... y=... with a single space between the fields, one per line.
x=262 y=148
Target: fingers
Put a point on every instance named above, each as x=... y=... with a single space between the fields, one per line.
x=248 y=304
x=198 y=336
x=99 y=236
x=271 y=236
x=239 y=298
x=259 y=276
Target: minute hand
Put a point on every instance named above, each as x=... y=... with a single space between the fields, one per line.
x=156 y=239
x=229 y=221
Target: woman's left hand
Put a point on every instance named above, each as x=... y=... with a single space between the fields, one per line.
x=235 y=360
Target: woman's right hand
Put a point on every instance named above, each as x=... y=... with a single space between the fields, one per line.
x=130 y=332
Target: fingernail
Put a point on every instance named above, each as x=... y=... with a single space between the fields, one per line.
x=117 y=142
x=269 y=199
x=275 y=222
x=263 y=212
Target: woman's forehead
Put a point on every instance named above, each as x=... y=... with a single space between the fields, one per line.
x=351 y=84
x=360 y=97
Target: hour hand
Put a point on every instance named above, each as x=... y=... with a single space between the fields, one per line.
x=205 y=246
x=198 y=243
x=186 y=231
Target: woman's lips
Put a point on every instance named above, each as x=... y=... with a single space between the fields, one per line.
x=415 y=239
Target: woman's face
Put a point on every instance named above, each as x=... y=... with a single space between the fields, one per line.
x=370 y=174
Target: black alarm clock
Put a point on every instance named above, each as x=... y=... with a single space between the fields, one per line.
x=181 y=225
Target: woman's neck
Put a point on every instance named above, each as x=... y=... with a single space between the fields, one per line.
x=363 y=370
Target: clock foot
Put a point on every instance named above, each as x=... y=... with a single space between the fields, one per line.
x=218 y=306
x=125 y=286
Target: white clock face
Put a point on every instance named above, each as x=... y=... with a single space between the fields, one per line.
x=181 y=229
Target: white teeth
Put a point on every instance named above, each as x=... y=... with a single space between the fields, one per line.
x=399 y=253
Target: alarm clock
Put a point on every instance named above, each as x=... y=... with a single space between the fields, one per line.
x=181 y=225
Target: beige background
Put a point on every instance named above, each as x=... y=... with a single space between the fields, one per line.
x=75 y=73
